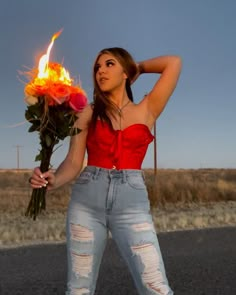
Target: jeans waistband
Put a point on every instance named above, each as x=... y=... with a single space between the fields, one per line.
x=122 y=173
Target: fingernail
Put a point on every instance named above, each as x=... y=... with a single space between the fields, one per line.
x=41 y=175
x=45 y=185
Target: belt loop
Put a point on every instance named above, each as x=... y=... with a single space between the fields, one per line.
x=95 y=176
x=124 y=178
x=143 y=175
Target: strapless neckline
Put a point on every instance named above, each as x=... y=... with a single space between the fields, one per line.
x=127 y=128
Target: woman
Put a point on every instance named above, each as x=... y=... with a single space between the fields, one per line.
x=110 y=193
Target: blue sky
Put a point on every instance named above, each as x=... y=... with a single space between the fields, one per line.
x=197 y=128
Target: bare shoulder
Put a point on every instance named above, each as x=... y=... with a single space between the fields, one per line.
x=142 y=113
x=84 y=117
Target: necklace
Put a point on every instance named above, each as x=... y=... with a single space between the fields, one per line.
x=120 y=111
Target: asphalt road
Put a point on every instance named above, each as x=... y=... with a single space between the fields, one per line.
x=199 y=262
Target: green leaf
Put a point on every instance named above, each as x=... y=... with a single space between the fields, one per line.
x=48 y=140
x=28 y=115
x=38 y=157
x=34 y=127
x=36 y=110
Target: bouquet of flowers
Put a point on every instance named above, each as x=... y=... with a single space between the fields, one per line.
x=53 y=103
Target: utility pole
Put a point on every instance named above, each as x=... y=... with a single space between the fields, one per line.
x=18 y=155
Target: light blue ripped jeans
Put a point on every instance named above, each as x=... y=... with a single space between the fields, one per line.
x=106 y=200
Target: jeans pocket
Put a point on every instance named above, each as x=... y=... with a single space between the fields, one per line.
x=84 y=178
x=136 y=182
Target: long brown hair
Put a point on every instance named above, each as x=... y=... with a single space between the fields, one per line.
x=101 y=103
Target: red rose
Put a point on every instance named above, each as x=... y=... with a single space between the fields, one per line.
x=77 y=101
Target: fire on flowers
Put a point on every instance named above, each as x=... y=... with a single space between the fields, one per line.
x=53 y=105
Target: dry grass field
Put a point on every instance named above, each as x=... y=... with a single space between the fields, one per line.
x=180 y=199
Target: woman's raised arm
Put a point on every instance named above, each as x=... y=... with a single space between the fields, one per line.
x=169 y=68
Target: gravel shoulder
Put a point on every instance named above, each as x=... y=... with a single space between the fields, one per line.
x=17 y=230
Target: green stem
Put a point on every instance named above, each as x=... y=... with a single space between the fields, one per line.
x=38 y=197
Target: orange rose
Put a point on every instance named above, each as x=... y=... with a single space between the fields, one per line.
x=59 y=93
x=33 y=89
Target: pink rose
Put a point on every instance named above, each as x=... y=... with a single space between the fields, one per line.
x=77 y=101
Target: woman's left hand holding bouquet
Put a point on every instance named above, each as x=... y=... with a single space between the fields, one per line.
x=39 y=179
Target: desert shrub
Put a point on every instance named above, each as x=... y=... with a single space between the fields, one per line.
x=167 y=186
x=229 y=175
x=187 y=186
x=14 y=178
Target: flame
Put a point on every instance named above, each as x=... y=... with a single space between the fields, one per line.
x=53 y=72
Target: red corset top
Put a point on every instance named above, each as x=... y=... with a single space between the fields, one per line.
x=118 y=149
